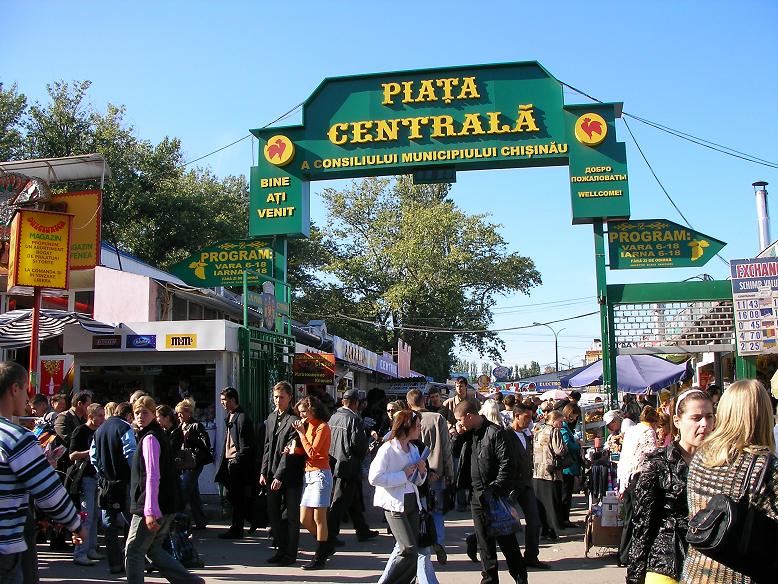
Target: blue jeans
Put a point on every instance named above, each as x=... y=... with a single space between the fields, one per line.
x=89 y=506
x=141 y=543
x=190 y=490
x=114 y=522
x=11 y=568
x=436 y=491
x=425 y=573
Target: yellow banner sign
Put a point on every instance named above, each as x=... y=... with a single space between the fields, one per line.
x=182 y=341
x=85 y=238
x=40 y=250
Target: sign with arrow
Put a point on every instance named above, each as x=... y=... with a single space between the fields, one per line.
x=658 y=243
x=223 y=264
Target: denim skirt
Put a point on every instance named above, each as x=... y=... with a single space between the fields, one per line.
x=318 y=489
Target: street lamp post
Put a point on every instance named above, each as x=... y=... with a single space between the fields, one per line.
x=556 y=342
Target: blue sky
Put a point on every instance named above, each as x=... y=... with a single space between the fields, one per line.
x=207 y=72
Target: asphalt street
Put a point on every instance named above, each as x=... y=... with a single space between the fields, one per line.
x=245 y=560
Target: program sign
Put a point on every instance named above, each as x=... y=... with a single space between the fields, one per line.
x=40 y=251
x=658 y=243
x=223 y=264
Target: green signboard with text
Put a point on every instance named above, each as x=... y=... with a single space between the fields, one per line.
x=658 y=243
x=462 y=118
x=223 y=264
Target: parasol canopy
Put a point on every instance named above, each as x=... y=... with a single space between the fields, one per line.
x=15 y=326
x=634 y=374
x=554 y=394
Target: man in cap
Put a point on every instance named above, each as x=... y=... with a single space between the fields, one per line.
x=347 y=452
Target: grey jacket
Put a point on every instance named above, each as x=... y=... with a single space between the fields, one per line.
x=348 y=446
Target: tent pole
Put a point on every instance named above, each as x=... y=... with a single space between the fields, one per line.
x=34 y=334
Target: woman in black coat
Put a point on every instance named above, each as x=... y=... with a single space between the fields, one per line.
x=661 y=512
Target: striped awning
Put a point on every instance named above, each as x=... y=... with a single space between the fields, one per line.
x=16 y=326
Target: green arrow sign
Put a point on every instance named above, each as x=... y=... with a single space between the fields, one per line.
x=658 y=243
x=223 y=264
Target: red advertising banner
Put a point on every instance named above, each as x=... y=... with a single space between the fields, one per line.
x=314 y=368
x=52 y=374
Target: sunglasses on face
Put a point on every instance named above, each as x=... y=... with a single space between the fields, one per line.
x=390 y=411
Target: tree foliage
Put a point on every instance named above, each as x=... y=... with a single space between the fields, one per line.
x=153 y=207
x=529 y=370
x=402 y=261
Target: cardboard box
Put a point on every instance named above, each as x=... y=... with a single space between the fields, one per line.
x=605 y=536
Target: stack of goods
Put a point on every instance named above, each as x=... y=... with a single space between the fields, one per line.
x=591 y=419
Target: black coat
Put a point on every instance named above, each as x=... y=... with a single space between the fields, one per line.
x=485 y=461
x=660 y=517
x=522 y=459
x=242 y=431
x=287 y=468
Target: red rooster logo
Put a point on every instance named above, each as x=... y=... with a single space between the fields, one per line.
x=591 y=127
x=276 y=149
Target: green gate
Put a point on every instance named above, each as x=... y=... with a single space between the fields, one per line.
x=266 y=358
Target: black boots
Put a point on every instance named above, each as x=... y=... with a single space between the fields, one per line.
x=323 y=550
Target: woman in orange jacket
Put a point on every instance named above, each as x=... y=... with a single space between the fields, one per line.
x=314 y=436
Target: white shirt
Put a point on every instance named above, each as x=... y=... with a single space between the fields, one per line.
x=639 y=441
x=387 y=475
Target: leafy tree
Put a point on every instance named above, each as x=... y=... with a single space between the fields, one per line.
x=152 y=207
x=486 y=368
x=402 y=261
x=529 y=370
x=12 y=107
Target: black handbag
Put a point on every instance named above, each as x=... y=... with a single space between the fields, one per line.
x=736 y=533
x=503 y=519
x=427 y=534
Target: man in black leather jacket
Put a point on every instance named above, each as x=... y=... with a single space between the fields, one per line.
x=491 y=469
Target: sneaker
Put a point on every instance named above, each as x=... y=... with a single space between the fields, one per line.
x=84 y=561
x=338 y=542
x=231 y=535
x=95 y=555
x=116 y=570
x=537 y=564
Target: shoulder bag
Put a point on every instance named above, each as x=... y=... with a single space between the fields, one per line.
x=736 y=533
x=427 y=534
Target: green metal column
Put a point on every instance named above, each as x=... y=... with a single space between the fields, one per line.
x=608 y=373
x=745 y=367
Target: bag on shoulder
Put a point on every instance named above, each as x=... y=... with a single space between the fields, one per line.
x=736 y=533
x=503 y=519
x=563 y=461
x=73 y=477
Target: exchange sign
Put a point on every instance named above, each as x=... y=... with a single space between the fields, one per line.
x=658 y=243
x=755 y=301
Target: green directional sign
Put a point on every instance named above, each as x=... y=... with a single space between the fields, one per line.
x=223 y=264
x=658 y=243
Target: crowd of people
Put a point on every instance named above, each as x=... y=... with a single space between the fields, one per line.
x=133 y=467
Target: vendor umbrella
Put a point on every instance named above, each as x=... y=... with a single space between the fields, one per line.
x=554 y=394
x=634 y=374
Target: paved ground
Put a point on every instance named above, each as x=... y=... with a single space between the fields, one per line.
x=244 y=561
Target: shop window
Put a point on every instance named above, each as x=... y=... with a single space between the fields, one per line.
x=165 y=383
x=179 y=309
x=195 y=311
x=85 y=302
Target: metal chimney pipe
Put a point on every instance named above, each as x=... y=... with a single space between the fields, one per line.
x=762 y=216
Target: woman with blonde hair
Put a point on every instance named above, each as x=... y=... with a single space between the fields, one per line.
x=743 y=436
x=491 y=411
x=153 y=486
x=196 y=439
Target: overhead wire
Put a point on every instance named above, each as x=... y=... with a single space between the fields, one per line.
x=249 y=135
